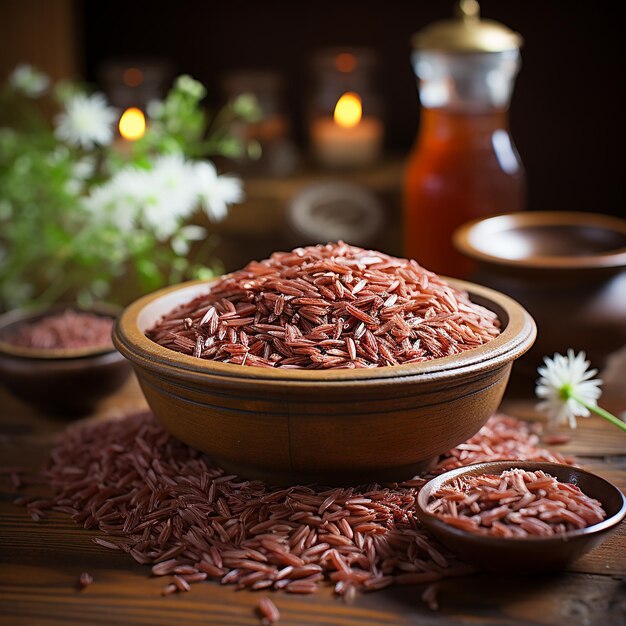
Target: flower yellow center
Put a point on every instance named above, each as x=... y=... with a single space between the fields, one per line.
x=566 y=391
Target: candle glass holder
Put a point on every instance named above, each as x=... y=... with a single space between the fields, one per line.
x=135 y=82
x=131 y=85
x=272 y=132
x=345 y=111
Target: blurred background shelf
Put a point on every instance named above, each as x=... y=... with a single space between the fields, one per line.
x=261 y=224
x=566 y=112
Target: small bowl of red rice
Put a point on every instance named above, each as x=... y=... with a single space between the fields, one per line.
x=60 y=359
x=328 y=364
x=520 y=516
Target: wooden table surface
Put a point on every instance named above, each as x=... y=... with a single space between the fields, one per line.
x=40 y=562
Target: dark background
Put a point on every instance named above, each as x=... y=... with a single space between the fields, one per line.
x=567 y=113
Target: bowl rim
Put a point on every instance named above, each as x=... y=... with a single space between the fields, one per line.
x=25 y=314
x=516 y=338
x=499 y=467
x=490 y=226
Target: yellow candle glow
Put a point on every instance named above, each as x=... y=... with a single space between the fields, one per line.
x=132 y=124
x=348 y=110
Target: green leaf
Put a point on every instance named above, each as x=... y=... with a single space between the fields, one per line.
x=149 y=274
x=254 y=150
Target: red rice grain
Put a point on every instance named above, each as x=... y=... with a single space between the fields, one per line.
x=268 y=611
x=167 y=506
x=326 y=307
x=430 y=597
x=168 y=589
x=556 y=439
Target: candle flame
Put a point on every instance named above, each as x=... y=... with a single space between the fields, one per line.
x=348 y=110
x=132 y=124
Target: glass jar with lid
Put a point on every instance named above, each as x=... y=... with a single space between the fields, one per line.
x=464 y=164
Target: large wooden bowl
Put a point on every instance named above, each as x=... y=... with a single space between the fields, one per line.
x=338 y=426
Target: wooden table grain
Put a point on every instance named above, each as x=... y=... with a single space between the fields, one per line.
x=40 y=562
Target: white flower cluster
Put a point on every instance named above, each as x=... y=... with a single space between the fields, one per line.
x=163 y=197
x=160 y=198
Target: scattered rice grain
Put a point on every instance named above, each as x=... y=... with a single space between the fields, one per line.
x=243 y=532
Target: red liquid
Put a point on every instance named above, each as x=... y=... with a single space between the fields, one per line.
x=463 y=166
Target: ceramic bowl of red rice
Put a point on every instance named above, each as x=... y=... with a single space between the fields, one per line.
x=520 y=516
x=328 y=364
x=59 y=358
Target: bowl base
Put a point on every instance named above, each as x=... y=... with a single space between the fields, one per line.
x=336 y=478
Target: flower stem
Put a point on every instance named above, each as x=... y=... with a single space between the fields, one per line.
x=594 y=408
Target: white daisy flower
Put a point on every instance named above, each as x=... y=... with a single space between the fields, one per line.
x=29 y=81
x=568 y=390
x=216 y=192
x=87 y=121
x=169 y=196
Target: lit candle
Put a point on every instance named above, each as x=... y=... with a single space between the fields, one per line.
x=132 y=124
x=349 y=138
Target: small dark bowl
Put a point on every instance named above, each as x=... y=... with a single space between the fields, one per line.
x=567 y=269
x=63 y=382
x=534 y=554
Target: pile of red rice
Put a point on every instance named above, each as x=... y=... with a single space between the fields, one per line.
x=327 y=307
x=167 y=506
x=67 y=330
x=502 y=438
x=516 y=503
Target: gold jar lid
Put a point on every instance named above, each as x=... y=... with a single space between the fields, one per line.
x=467 y=32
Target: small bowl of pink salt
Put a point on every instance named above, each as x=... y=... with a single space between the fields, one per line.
x=520 y=516
x=60 y=359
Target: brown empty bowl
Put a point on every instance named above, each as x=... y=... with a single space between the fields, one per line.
x=65 y=382
x=568 y=269
x=533 y=554
x=333 y=426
